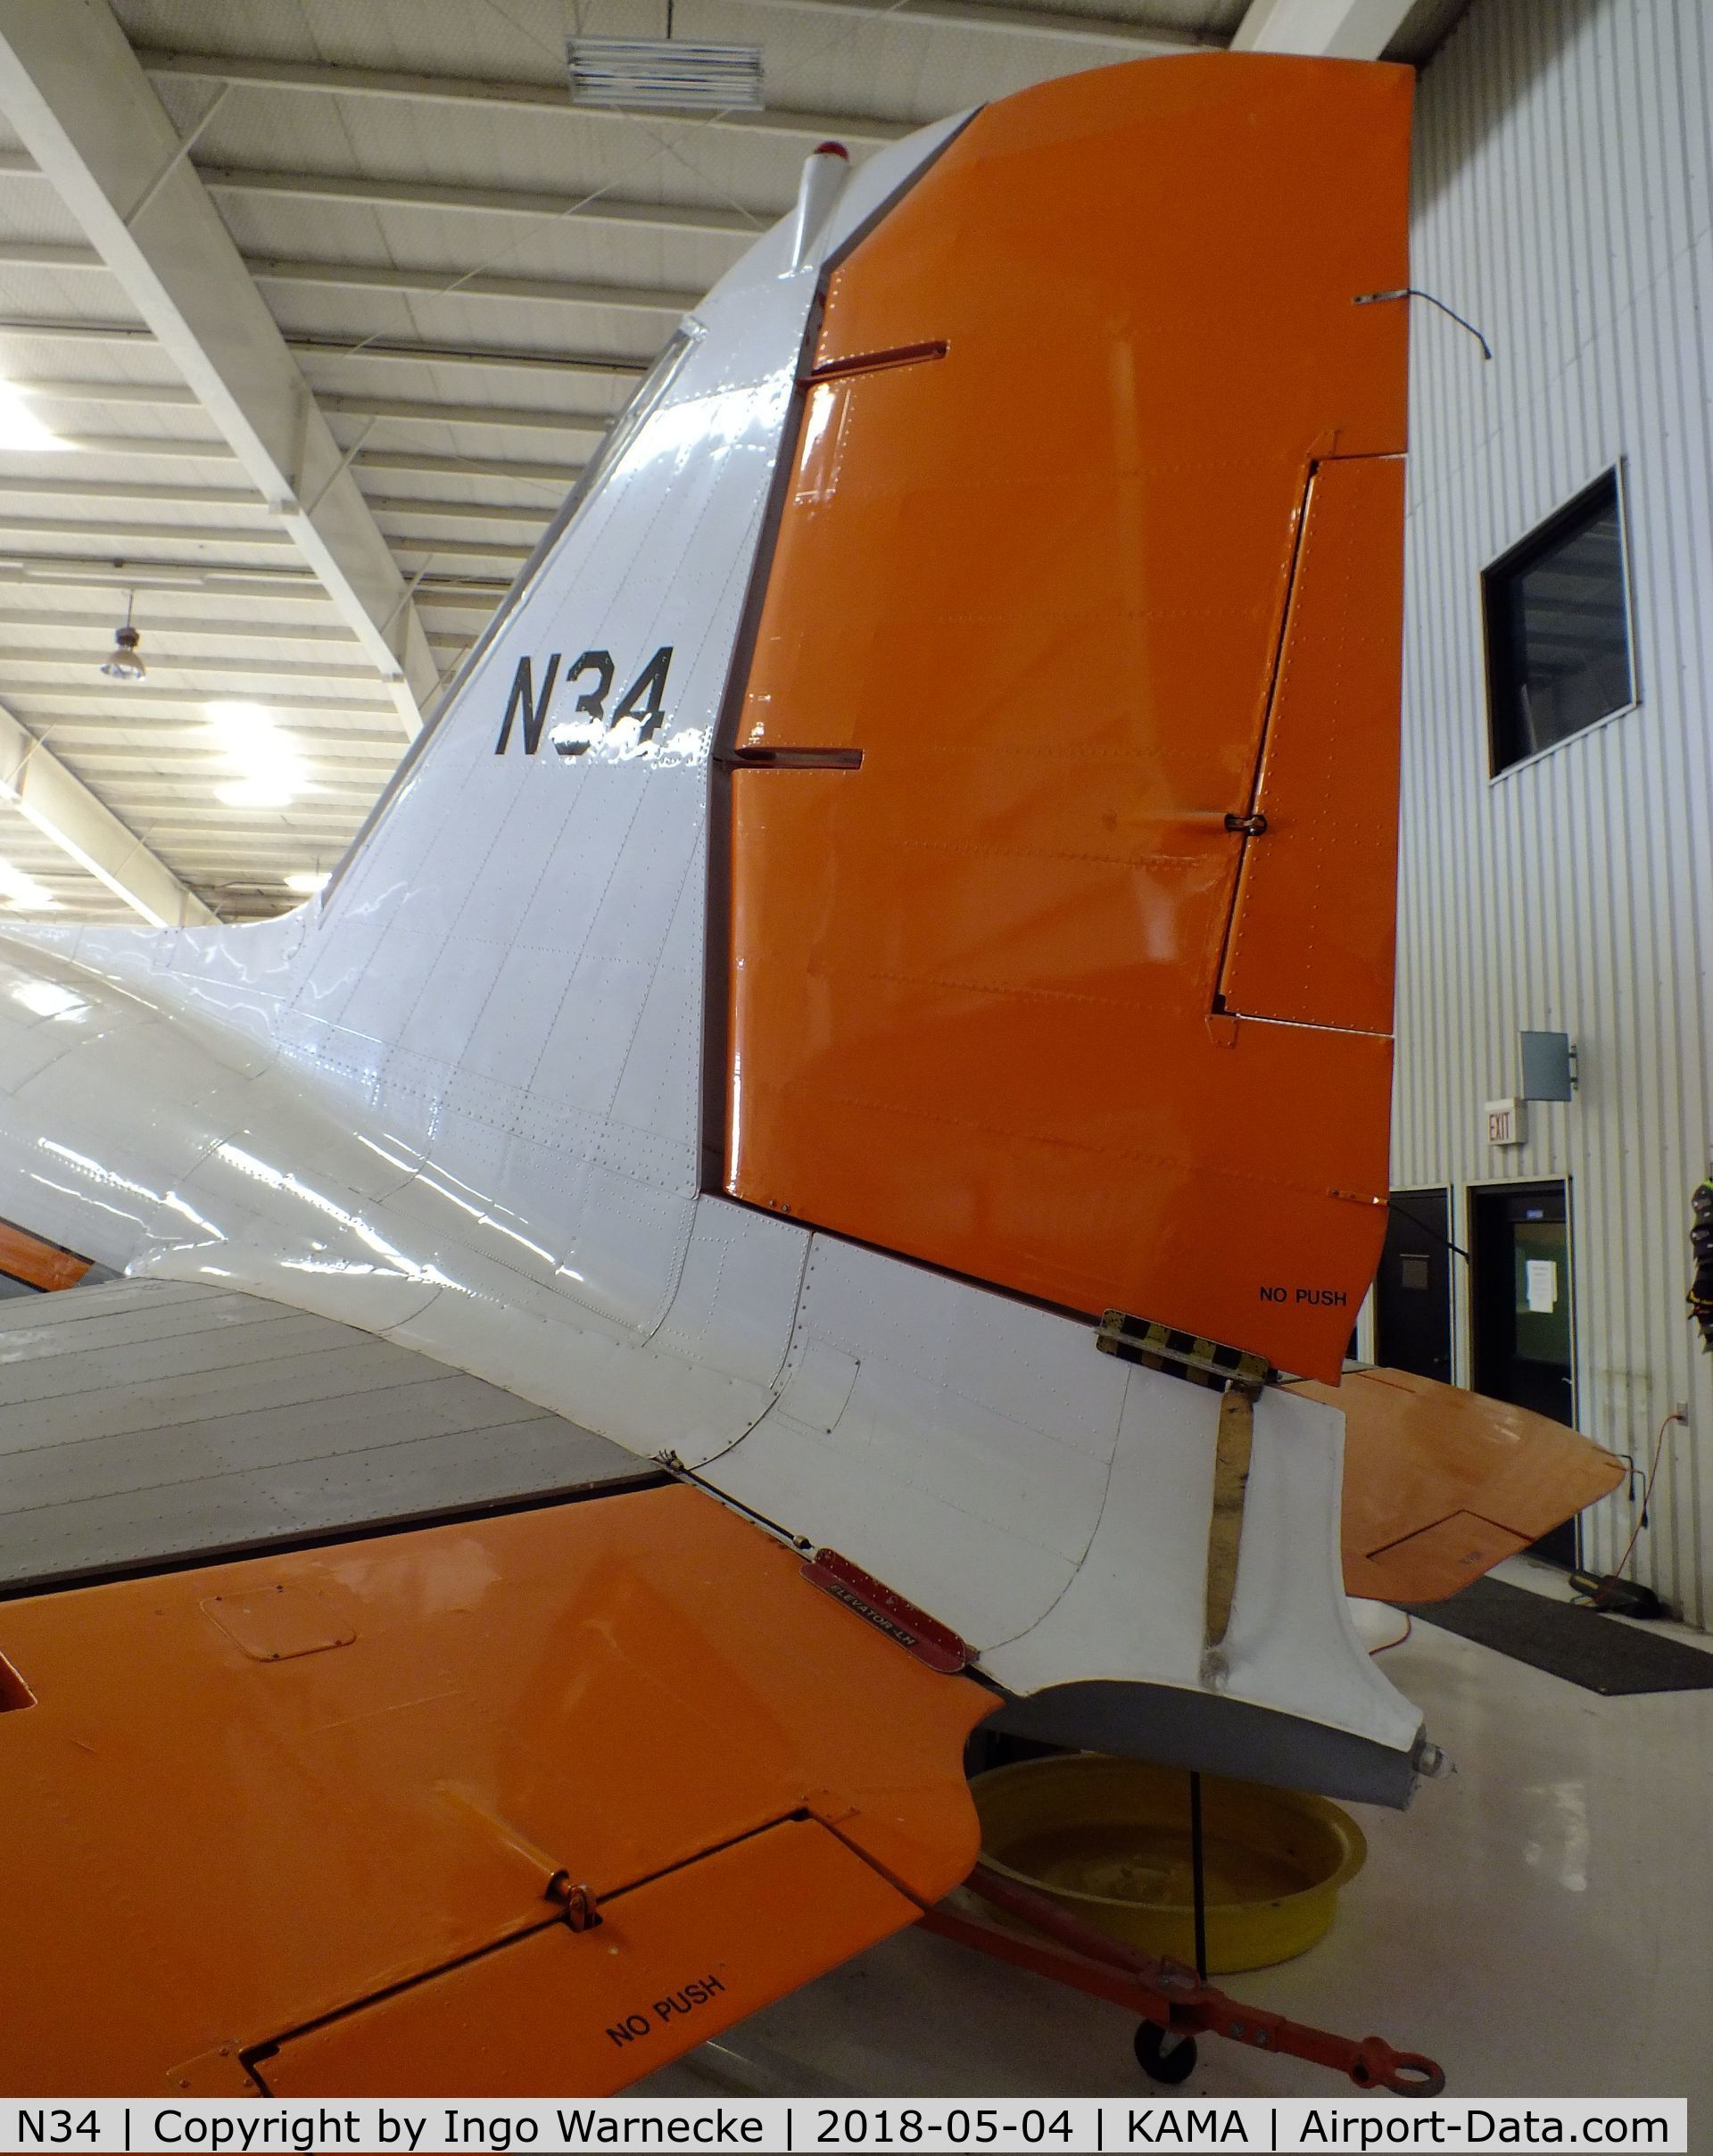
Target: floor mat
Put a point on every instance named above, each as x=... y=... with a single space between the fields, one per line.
x=1579 y=1644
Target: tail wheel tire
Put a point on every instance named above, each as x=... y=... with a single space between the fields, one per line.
x=1163 y=2057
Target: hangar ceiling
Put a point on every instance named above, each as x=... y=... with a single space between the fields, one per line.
x=314 y=309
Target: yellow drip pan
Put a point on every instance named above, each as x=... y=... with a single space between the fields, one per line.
x=1108 y=1839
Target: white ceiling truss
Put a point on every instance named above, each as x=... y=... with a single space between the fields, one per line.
x=327 y=302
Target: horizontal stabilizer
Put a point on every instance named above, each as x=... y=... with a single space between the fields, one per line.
x=525 y=1806
x=1441 y=1484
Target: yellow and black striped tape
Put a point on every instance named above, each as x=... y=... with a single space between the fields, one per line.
x=1180 y=1355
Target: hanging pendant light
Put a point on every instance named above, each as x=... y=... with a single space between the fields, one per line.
x=122 y=663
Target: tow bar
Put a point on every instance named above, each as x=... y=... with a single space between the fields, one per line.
x=1172 y=1999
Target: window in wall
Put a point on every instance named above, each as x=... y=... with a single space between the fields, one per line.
x=1558 y=627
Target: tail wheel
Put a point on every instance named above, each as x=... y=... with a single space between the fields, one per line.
x=1163 y=2057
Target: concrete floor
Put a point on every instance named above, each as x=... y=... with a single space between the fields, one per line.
x=1541 y=1922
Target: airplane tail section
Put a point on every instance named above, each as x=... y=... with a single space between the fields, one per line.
x=908 y=872
x=1029 y=569
x=937 y=781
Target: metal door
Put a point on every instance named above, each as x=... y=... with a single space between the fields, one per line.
x=1412 y=1289
x=1522 y=1310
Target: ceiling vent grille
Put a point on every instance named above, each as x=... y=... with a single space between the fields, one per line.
x=664 y=75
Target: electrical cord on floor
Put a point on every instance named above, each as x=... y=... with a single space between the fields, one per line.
x=1597 y=1599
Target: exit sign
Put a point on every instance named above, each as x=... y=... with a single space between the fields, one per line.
x=1504 y=1123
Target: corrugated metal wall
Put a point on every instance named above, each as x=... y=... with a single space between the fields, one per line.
x=1564 y=192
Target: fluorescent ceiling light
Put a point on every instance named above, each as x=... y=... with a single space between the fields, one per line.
x=48 y=999
x=20 y=428
x=307 y=881
x=664 y=75
x=22 y=892
x=270 y=775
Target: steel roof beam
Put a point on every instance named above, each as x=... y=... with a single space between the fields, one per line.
x=72 y=90
x=593 y=208
x=472 y=598
x=57 y=619
x=133 y=490
x=163 y=394
x=177 y=661
x=1340 y=30
x=527 y=472
x=225 y=497
x=167 y=396
x=77 y=572
x=110 y=446
x=150 y=737
x=381 y=277
x=67 y=572
x=136 y=527
x=94 y=572
x=511 y=94
x=1137 y=38
x=471 y=355
x=349 y=348
x=468 y=415
x=49 y=254
x=469 y=512
x=475 y=549
x=481 y=283
x=183 y=630
x=63 y=809
x=142 y=694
